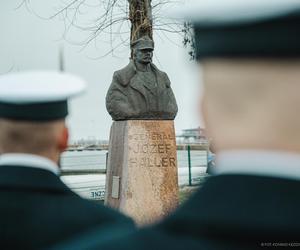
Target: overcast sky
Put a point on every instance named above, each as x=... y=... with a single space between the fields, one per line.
x=32 y=43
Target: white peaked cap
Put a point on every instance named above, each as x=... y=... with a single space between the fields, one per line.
x=243 y=29
x=39 y=86
x=228 y=11
x=37 y=95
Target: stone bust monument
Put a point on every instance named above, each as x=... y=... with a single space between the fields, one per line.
x=141 y=90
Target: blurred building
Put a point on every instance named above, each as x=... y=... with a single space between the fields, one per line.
x=194 y=135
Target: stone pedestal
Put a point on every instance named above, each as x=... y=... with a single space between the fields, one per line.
x=142 y=179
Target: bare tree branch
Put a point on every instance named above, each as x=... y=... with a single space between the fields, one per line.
x=97 y=18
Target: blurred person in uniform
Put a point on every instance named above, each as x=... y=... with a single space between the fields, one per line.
x=210 y=162
x=37 y=209
x=249 y=54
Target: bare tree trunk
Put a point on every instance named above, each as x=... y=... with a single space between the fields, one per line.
x=140 y=15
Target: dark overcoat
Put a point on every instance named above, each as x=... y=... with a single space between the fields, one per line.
x=38 y=210
x=230 y=212
x=132 y=95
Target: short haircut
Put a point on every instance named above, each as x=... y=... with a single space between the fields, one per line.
x=28 y=137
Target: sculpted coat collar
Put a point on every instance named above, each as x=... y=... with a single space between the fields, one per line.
x=126 y=74
x=142 y=84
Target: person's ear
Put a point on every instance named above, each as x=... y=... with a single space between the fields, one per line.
x=63 y=140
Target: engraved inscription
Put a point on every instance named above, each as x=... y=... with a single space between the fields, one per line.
x=152 y=162
x=152 y=147
x=151 y=136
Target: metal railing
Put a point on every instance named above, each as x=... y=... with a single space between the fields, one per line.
x=190 y=168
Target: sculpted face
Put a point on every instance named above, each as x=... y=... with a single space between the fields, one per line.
x=144 y=56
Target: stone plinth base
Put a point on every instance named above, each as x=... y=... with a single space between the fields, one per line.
x=142 y=179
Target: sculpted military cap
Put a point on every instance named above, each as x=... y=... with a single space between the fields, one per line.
x=37 y=96
x=144 y=42
x=233 y=28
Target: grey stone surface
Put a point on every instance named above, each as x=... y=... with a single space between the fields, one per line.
x=141 y=90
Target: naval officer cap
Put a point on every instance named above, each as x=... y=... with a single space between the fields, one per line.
x=37 y=96
x=142 y=43
x=235 y=28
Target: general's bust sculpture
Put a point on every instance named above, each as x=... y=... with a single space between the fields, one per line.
x=141 y=90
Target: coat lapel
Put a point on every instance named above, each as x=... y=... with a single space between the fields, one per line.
x=147 y=86
x=142 y=86
x=138 y=86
